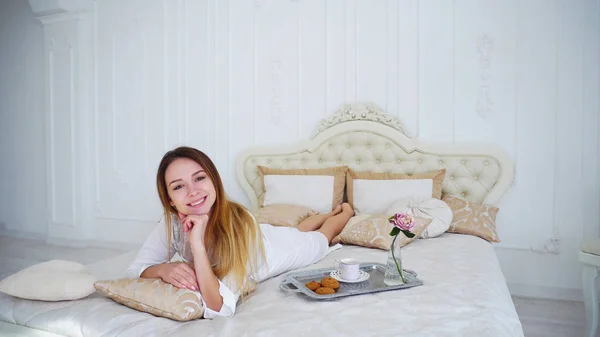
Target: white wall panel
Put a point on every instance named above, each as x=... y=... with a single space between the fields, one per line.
x=23 y=180
x=200 y=75
x=569 y=222
x=243 y=89
x=130 y=107
x=312 y=64
x=61 y=63
x=590 y=68
x=350 y=36
x=436 y=26
x=485 y=71
x=372 y=51
x=277 y=71
x=336 y=54
x=485 y=90
x=537 y=108
x=407 y=64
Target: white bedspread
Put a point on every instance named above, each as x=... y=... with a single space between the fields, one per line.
x=464 y=294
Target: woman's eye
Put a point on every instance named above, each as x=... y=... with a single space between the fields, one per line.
x=177 y=187
x=200 y=178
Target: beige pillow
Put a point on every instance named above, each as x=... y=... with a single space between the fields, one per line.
x=320 y=189
x=284 y=214
x=374 y=192
x=154 y=296
x=472 y=218
x=54 y=280
x=373 y=231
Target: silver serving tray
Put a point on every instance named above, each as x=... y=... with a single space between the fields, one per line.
x=295 y=282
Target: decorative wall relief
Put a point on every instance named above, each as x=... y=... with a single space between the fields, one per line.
x=550 y=246
x=277 y=89
x=485 y=46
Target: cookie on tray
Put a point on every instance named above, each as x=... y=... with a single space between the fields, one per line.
x=313 y=285
x=325 y=291
x=330 y=282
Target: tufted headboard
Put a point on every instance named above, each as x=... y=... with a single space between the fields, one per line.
x=365 y=138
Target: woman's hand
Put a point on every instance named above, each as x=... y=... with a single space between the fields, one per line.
x=196 y=225
x=207 y=281
x=179 y=274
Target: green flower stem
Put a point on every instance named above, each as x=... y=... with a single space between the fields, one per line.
x=396 y=261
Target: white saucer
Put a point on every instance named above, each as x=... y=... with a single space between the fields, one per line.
x=362 y=276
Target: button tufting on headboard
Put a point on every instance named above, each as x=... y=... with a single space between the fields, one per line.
x=479 y=173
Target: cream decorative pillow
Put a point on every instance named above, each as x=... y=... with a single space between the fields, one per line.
x=431 y=208
x=372 y=193
x=54 y=280
x=373 y=231
x=284 y=214
x=319 y=189
x=473 y=218
x=154 y=296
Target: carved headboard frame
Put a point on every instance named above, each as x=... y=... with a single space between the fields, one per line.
x=365 y=138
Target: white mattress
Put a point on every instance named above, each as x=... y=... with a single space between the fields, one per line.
x=464 y=294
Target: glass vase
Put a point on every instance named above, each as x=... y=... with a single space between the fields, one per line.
x=393 y=275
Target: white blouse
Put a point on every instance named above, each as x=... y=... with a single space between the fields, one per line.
x=286 y=249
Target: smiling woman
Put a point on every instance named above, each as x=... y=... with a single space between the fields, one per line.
x=190 y=194
x=230 y=251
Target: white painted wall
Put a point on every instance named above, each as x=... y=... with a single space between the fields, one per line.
x=22 y=154
x=127 y=80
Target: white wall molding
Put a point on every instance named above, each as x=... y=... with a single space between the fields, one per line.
x=22 y=234
x=485 y=104
x=549 y=246
x=277 y=88
x=77 y=243
x=68 y=36
x=52 y=11
x=554 y=293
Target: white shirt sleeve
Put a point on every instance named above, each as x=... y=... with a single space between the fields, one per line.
x=230 y=296
x=153 y=252
x=229 y=303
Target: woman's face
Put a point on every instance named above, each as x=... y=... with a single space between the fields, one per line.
x=190 y=189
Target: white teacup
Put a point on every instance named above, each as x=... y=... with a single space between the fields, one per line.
x=348 y=269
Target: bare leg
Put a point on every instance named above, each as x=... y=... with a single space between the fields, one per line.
x=315 y=222
x=334 y=225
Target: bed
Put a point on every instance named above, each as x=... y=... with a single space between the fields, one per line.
x=464 y=291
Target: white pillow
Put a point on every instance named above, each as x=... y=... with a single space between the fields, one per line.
x=369 y=194
x=430 y=208
x=313 y=191
x=320 y=189
x=372 y=192
x=55 y=280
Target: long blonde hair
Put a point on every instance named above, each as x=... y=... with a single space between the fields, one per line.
x=233 y=238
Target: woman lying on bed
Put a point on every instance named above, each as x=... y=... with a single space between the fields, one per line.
x=230 y=252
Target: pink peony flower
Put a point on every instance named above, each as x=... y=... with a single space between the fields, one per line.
x=405 y=224
x=403 y=221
